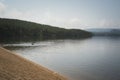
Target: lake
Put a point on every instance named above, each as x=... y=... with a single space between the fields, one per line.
x=96 y=58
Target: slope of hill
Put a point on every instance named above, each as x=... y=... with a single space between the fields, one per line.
x=105 y=32
x=18 y=30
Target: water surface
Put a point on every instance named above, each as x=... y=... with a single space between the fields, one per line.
x=96 y=58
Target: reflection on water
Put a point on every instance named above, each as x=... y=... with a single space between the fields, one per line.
x=97 y=58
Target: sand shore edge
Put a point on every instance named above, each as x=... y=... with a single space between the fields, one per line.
x=15 y=67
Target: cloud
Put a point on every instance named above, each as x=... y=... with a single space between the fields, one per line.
x=109 y=23
x=51 y=18
x=14 y=13
x=60 y=20
x=22 y=15
x=2 y=7
x=46 y=17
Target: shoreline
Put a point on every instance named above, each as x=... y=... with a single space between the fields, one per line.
x=15 y=67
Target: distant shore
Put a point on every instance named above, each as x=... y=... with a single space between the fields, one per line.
x=15 y=67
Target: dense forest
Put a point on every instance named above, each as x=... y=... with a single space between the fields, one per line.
x=18 y=30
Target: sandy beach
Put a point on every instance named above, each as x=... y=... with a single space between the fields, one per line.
x=15 y=67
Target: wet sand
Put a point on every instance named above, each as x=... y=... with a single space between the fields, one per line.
x=15 y=67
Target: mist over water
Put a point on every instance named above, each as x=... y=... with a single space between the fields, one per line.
x=96 y=58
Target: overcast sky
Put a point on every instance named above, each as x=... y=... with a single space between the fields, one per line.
x=65 y=13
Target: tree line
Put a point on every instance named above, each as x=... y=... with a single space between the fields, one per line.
x=19 y=30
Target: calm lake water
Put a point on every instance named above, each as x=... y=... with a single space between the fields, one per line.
x=96 y=58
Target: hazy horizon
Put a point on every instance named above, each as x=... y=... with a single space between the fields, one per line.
x=81 y=14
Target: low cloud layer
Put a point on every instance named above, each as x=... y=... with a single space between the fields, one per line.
x=50 y=18
x=2 y=7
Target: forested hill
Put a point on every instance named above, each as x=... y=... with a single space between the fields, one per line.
x=18 y=30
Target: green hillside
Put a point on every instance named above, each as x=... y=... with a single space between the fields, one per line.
x=18 y=30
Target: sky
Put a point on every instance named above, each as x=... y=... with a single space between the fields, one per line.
x=80 y=14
